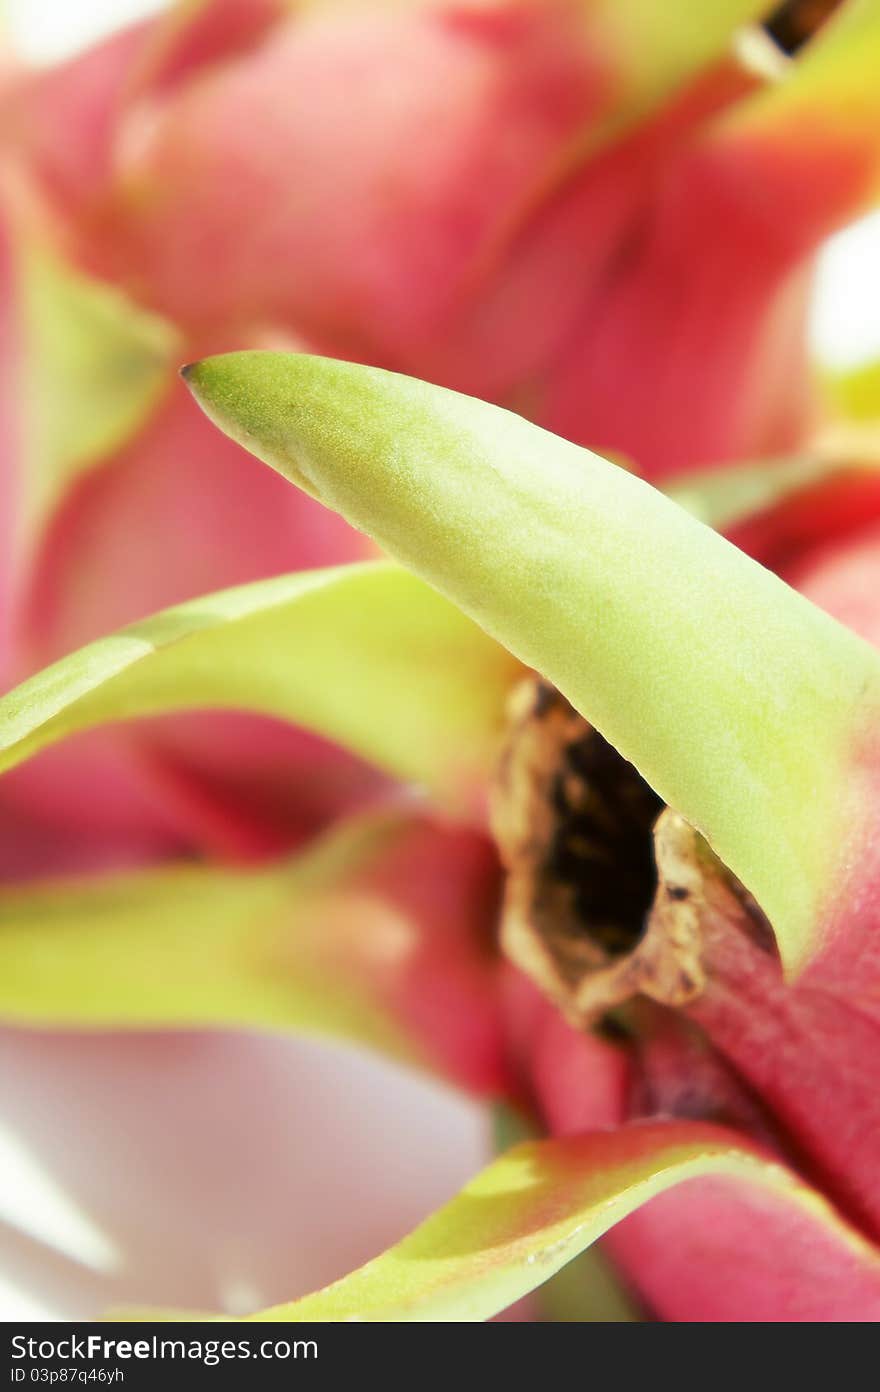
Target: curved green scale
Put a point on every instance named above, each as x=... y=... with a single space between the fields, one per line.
x=365 y=654
x=742 y=704
x=542 y=1203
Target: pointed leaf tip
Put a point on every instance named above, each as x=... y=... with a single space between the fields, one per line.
x=741 y=703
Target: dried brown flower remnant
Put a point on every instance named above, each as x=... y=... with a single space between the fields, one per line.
x=793 y=23
x=605 y=888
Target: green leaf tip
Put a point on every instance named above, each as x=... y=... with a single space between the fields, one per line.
x=96 y=366
x=741 y=703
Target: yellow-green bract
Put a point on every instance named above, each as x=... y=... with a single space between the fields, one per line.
x=738 y=701
x=534 y=1209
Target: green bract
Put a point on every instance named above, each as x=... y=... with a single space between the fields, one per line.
x=523 y=1217
x=297 y=946
x=96 y=367
x=738 y=701
x=366 y=655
